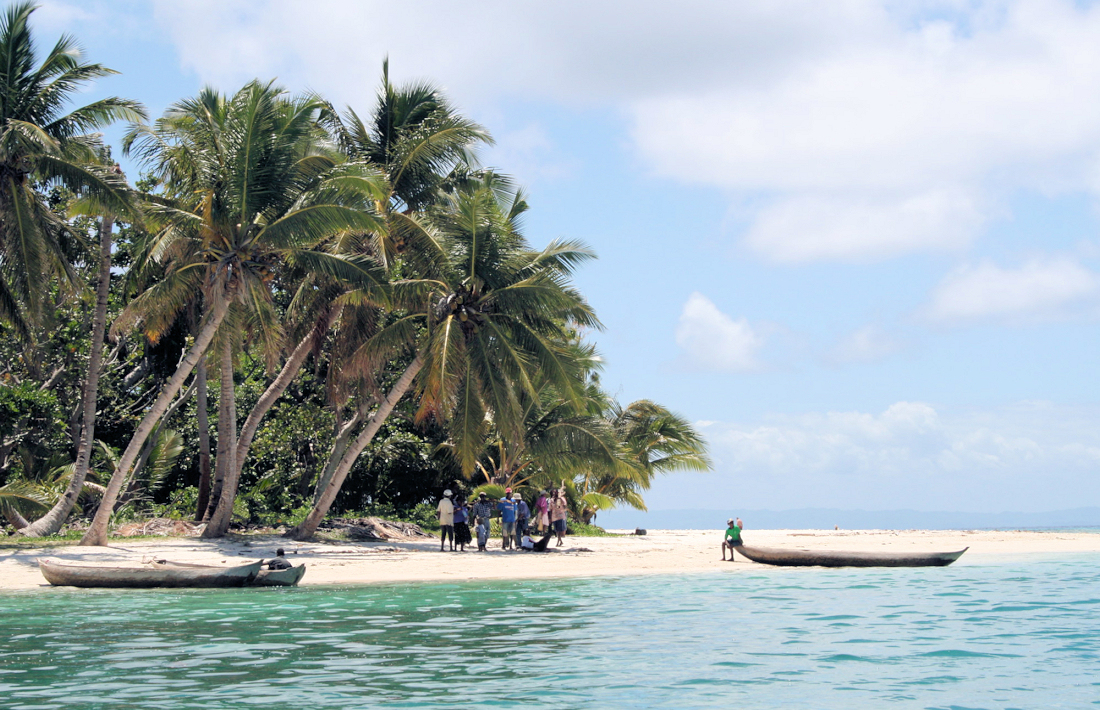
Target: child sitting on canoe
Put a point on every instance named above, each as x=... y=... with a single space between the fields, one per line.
x=732 y=538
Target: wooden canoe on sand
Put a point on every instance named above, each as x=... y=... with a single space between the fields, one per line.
x=836 y=558
x=264 y=578
x=146 y=576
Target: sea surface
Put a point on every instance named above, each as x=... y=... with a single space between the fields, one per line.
x=1019 y=633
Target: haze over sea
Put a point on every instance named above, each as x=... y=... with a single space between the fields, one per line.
x=1015 y=631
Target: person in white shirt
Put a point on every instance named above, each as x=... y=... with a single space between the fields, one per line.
x=446 y=511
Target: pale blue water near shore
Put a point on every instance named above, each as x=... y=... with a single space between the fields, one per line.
x=1019 y=633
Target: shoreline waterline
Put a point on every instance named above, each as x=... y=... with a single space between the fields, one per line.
x=658 y=552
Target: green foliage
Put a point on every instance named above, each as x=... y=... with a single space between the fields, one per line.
x=294 y=215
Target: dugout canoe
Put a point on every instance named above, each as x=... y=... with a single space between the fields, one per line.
x=280 y=577
x=147 y=576
x=836 y=558
x=264 y=578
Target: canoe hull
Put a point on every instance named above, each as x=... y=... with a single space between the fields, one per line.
x=279 y=577
x=145 y=577
x=836 y=558
x=264 y=578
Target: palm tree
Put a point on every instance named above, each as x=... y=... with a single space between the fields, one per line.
x=41 y=143
x=656 y=441
x=52 y=521
x=415 y=135
x=415 y=138
x=559 y=438
x=487 y=313
x=245 y=190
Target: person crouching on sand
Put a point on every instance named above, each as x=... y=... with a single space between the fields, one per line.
x=732 y=538
x=530 y=544
x=446 y=513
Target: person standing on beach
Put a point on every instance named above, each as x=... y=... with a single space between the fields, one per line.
x=542 y=510
x=507 y=508
x=446 y=513
x=523 y=514
x=732 y=538
x=462 y=527
x=483 y=512
x=559 y=510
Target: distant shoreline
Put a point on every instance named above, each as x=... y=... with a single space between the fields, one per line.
x=658 y=552
x=826 y=518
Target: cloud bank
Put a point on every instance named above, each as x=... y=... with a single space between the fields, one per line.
x=1031 y=455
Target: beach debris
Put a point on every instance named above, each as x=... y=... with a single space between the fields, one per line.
x=164 y=527
x=377 y=530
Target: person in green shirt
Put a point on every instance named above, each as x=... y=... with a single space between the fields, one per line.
x=732 y=538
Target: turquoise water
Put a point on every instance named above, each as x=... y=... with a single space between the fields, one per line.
x=1016 y=634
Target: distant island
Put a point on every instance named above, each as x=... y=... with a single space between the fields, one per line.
x=827 y=518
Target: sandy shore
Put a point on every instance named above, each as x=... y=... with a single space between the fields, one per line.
x=659 y=552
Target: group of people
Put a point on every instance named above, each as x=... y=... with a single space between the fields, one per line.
x=456 y=517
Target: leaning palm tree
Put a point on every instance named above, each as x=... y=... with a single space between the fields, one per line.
x=416 y=139
x=246 y=189
x=41 y=142
x=488 y=313
x=55 y=517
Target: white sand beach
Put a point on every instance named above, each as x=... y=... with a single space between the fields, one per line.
x=658 y=552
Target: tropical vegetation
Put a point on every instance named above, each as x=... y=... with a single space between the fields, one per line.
x=293 y=311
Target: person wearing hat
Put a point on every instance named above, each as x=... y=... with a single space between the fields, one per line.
x=507 y=508
x=732 y=538
x=483 y=512
x=446 y=512
x=523 y=515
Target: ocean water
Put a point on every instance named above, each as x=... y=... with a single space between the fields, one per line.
x=1021 y=633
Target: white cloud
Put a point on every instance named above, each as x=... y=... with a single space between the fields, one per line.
x=851 y=227
x=1038 y=289
x=864 y=129
x=711 y=340
x=1027 y=456
x=528 y=152
x=899 y=138
x=867 y=344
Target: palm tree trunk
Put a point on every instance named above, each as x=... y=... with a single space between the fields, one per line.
x=227 y=445
x=305 y=529
x=151 y=443
x=52 y=521
x=231 y=477
x=97 y=532
x=15 y=520
x=204 y=442
x=343 y=438
x=221 y=456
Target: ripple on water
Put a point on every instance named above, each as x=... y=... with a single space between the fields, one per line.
x=981 y=636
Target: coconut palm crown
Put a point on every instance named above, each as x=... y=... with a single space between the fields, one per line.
x=247 y=186
x=43 y=142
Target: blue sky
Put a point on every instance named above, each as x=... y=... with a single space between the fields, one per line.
x=857 y=242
